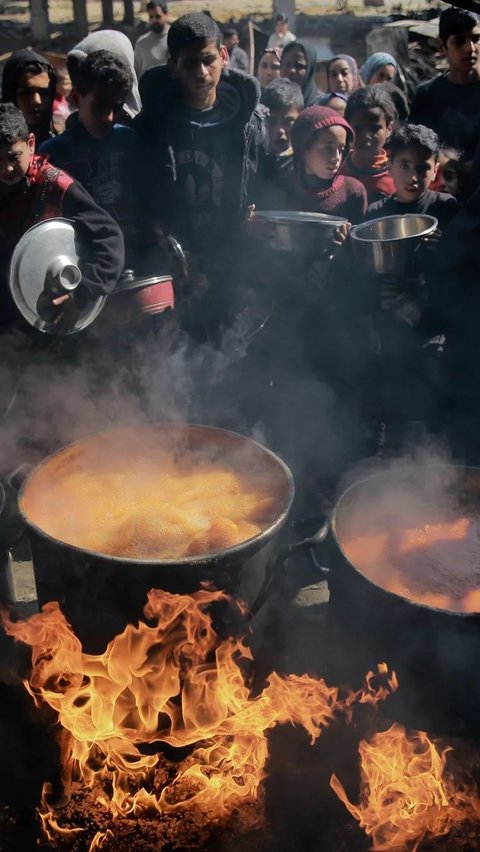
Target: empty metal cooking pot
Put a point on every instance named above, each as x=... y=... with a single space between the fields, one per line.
x=291 y=231
x=387 y=245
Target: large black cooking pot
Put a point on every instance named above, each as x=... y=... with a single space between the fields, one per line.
x=435 y=650
x=100 y=594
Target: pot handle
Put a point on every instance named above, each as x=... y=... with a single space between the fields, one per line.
x=279 y=562
x=311 y=541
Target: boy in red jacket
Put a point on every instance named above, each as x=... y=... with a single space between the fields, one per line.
x=31 y=191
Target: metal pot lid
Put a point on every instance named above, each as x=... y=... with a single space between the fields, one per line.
x=43 y=248
x=295 y=217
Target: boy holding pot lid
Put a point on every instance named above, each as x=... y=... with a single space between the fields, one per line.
x=32 y=191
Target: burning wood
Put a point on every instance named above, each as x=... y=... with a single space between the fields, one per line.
x=170 y=684
x=406 y=792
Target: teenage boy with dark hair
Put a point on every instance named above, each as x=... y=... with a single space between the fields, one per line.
x=237 y=58
x=450 y=103
x=102 y=155
x=34 y=190
x=29 y=82
x=205 y=140
x=372 y=115
x=151 y=48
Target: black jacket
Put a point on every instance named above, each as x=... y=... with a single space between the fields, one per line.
x=203 y=168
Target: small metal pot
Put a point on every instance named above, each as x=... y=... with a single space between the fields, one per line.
x=133 y=296
x=100 y=594
x=289 y=231
x=387 y=246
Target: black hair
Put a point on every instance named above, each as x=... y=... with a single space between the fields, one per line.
x=195 y=27
x=37 y=68
x=398 y=98
x=413 y=136
x=371 y=98
x=282 y=94
x=152 y=4
x=13 y=127
x=281 y=18
x=102 y=68
x=229 y=31
x=454 y=21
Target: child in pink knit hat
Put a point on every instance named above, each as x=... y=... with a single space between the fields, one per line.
x=321 y=139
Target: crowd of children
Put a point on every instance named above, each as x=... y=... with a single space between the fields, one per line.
x=198 y=145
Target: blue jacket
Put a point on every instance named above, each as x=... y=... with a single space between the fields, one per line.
x=107 y=168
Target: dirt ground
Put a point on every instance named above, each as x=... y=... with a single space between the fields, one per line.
x=14 y=14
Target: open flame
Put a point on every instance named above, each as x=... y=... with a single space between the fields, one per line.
x=406 y=791
x=171 y=681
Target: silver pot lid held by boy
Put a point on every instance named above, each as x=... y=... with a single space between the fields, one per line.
x=44 y=266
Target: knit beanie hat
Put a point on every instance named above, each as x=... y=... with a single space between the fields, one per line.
x=311 y=120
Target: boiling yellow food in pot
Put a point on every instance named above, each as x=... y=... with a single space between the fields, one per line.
x=155 y=508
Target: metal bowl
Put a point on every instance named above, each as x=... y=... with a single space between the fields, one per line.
x=291 y=231
x=388 y=245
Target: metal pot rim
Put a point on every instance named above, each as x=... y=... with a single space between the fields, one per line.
x=384 y=475
x=204 y=558
x=298 y=217
x=356 y=230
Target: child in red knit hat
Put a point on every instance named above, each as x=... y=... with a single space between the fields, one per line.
x=321 y=139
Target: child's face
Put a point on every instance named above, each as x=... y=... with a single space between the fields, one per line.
x=412 y=171
x=98 y=110
x=64 y=84
x=324 y=156
x=462 y=51
x=268 y=69
x=447 y=179
x=280 y=122
x=198 y=70
x=340 y=77
x=294 y=66
x=371 y=129
x=15 y=160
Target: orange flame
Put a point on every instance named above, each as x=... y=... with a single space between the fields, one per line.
x=172 y=682
x=406 y=793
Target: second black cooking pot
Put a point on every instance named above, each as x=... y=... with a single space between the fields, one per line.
x=433 y=648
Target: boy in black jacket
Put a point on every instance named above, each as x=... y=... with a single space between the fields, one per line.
x=205 y=136
x=32 y=191
x=401 y=310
